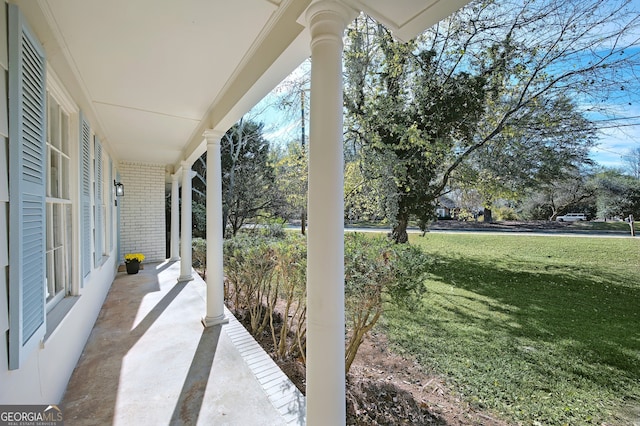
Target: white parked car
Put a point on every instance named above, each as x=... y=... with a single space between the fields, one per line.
x=572 y=217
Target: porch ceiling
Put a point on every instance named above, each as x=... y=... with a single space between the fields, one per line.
x=155 y=74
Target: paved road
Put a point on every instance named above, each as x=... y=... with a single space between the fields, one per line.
x=543 y=233
x=523 y=232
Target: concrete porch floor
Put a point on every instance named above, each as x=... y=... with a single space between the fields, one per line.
x=149 y=361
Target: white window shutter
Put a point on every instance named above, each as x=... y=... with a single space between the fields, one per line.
x=27 y=151
x=85 y=194
x=98 y=203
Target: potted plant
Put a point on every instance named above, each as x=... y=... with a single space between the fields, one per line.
x=132 y=262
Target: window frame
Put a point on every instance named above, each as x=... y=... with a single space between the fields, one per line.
x=64 y=107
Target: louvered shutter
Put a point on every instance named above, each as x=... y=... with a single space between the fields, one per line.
x=27 y=173
x=85 y=194
x=98 y=203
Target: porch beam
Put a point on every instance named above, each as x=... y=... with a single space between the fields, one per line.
x=175 y=218
x=185 y=235
x=327 y=20
x=215 y=274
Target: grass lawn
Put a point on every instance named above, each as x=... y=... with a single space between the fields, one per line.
x=539 y=330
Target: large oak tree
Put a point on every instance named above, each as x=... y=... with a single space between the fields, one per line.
x=498 y=87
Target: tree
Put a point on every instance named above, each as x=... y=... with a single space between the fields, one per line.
x=529 y=157
x=291 y=170
x=361 y=200
x=570 y=192
x=633 y=162
x=290 y=99
x=478 y=88
x=618 y=194
x=247 y=176
x=409 y=132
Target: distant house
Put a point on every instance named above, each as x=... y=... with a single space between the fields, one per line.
x=446 y=208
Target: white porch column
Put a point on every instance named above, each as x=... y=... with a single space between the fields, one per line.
x=185 y=234
x=325 y=253
x=175 y=218
x=215 y=274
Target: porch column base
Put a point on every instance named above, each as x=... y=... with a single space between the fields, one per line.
x=183 y=278
x=211 y=321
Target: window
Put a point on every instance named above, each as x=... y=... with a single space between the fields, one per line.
x=59 y=209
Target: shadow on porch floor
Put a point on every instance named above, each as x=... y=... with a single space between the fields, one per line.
x=149 y=360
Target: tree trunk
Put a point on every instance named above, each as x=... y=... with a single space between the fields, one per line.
x=399 y=233
x=488 y=217
x=303 y=222
x=225 y=218
x=236 y=224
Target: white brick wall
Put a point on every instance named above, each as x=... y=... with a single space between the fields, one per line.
x=142 y=210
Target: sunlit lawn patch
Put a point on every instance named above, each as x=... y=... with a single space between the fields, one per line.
x=543 y=330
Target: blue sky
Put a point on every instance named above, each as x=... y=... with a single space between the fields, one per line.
x=614 y=142
x=620 y=130
x=620 y=133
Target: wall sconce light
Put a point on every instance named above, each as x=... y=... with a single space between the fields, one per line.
x=119 y=188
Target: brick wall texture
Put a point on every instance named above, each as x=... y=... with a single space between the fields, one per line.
x=142 y=210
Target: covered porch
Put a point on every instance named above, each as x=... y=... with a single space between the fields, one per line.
x=161 y=83
x=148 y=360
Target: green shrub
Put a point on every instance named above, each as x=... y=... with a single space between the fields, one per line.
x=199 y=251
x=376 y=267
x=410 y=267
x=249 y=267
x=273 y=229
x=466 y=215
x=291 y=287
x=505 y=213
x=266 y=273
